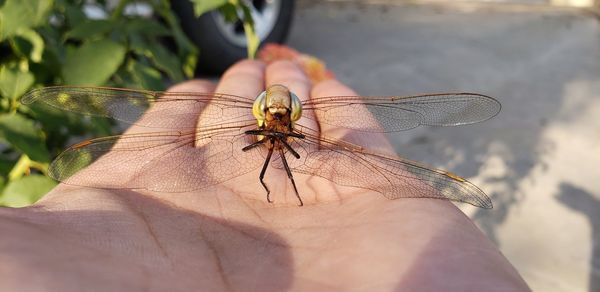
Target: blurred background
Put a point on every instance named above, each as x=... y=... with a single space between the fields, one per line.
x=538 y=159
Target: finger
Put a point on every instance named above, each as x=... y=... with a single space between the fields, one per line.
x=374 y=141
x=195 y=85
x=245 y=78
x=290 y=75
x=175 y=115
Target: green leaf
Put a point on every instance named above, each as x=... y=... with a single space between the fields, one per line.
x=90 y=29
x=93 y=63
x=47 y=71
x=185 y=49
x=14 y=82
x=203 y=6
x=189 y=65
x=160 y=57
x=145 y=76
x=74 y=15
x=35 y=43
x=22 y=134
x=5 y=166
x=16 y=15
x=166 y=61
x=229 y=12
x=2 y=184
x=147 y=27
x=26 y=191
x=54 y=42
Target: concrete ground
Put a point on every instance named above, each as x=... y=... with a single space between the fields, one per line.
x=539 y=159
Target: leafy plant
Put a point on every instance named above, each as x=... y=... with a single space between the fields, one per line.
x=78 y=42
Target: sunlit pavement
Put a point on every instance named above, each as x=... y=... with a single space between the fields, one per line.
x=539 y=159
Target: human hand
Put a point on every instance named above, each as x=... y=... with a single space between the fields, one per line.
x=228 y=238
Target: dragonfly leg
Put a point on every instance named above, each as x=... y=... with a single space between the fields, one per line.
x=253 y=145
x=262 y=174
x=270 y=133
x=259 y=132
x=290 y=176
x=296 y=135
x=289 y=148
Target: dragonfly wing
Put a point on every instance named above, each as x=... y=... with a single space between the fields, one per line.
x=394 y=113
x=217 y=159
x=161 y=161
x=349 y=165
x=170 y=110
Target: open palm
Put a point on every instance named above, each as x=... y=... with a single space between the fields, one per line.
x=228 y=238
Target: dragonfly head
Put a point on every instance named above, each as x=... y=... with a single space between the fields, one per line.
x=278 y=101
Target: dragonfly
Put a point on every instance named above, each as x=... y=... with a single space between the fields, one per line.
x=236 y=135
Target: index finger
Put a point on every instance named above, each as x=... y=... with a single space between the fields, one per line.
x=246 y=79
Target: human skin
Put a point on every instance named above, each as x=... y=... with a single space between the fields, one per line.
x=227 y=237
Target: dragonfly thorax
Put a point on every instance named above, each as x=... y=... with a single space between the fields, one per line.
x=276 y=101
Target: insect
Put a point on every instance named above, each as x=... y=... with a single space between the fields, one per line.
x=235 y=135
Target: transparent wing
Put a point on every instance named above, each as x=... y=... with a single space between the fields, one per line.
x=350 y=165
x=396 y=113
x=170 y=110
x=160 y=161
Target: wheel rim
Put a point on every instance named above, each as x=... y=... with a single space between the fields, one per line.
x=264 y=13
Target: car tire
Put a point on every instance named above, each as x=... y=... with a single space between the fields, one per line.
x=217 y=51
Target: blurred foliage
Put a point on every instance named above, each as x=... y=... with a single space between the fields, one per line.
x=80 y=42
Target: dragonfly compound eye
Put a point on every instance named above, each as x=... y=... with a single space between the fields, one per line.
x=296 y=107
x=260 y=107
